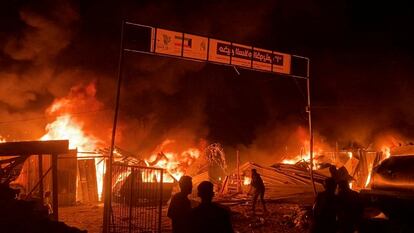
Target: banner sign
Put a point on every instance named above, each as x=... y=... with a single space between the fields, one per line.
x=219 y=51
x=168 y=42
x=262 y=59
x=207 y=49
x=281 y=63
x=195 y=47
x=241 y=55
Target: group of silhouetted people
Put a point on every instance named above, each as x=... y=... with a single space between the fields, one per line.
x=337 y=209
x=207 y=217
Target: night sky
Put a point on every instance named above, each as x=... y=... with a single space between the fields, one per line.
x=362 y=67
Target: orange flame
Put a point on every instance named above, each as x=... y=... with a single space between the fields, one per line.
x=386 y=150
x=299 y=158
x=247 y=180
x=304 y=156
x=67 y=127
x=174 y=163
x=368 y=181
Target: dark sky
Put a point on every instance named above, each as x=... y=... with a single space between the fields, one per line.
x=362 y=67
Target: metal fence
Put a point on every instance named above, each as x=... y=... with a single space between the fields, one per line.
x=137 y=199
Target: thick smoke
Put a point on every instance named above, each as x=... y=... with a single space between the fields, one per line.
x=54 y=47
x=31 y=77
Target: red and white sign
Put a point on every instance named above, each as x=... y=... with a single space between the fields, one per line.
x=241 y=55
x=168 y=42
x=219 y=51
x=195 y=47
x=224 y=52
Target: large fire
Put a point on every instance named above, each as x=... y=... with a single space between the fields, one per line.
x=298 y=158
x=66 y=126
x=305 y=157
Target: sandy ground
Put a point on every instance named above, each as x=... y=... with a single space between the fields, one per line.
x=84 y=217
x=282 y=217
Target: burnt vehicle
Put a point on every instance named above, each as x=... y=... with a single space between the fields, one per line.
x=392 y=188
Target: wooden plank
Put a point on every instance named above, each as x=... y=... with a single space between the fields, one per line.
x=284 y=180
x=67 y=180
x=87 y=180
x=34 y=147
x=55 y=187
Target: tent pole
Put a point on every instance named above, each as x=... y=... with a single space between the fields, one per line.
x=309 y=110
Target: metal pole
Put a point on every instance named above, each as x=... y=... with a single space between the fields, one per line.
x=108 y=174
x=160 y=205
x=131 y=193
x=238 y=172
x=55 y=187
x=310 y=130
x=41 y=191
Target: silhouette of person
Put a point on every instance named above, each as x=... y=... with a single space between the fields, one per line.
x=210 y=217
x=180 y=207
x=325 y=208
x=350 y=208
x=258 y=188
x=334 y=172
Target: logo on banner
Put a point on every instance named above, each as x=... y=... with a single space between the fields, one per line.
x=168 y=42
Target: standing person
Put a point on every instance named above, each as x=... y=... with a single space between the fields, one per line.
x=350 y=208
x=325 y=208
x=180 y=207
x=210 y=217
x=258 y=188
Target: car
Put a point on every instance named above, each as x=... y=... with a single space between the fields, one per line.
x=392 y=188
x=394 y=174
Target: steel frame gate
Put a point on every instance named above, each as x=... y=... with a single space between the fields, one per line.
x=136 y=203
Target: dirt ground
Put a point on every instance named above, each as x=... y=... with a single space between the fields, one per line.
x=282 y=217
x=84 y=217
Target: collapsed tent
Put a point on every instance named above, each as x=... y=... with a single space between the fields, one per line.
x=281 y=180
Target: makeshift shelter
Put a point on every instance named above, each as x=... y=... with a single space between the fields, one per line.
x=44 y=178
